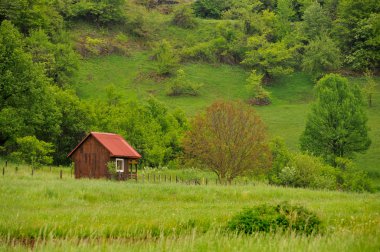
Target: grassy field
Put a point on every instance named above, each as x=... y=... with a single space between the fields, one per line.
x=46 y=213
x=285 y=117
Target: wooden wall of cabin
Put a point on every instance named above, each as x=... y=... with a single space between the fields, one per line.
x=91 y=159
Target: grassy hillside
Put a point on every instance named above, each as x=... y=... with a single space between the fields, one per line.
x=285 y=117
x=47 y=213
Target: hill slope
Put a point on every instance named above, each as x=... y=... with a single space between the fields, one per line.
x=285 y=117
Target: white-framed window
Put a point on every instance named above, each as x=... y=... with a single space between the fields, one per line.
x=119 y=165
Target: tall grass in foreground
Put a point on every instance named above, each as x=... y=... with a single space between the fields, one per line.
x=49 y=213
x=214 y=240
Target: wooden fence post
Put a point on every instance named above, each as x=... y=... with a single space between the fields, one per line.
x=32 y=171
x=176 y=179
x=206 y=181
x=170 y=178
x=60 y=174
x=16 y=169
x=3 y=171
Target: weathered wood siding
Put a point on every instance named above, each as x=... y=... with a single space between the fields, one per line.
x=91 y=159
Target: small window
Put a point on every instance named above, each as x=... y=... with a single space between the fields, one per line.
x=119 y=165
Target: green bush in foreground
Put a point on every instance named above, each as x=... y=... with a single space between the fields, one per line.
x=270 y=218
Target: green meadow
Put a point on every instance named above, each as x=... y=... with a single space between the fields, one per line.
x=45 y=213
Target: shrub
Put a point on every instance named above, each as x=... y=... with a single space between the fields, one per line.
x=166 y=59
x=271 y=218
x=350 y=178
x=111 y=169
x=90 y=46
x=259 y=96
x=95 y=46
x=120 y=44
x=280 y=159
x=33 y=151
x=302 y=170
x=184 y=17
x=136 y=22
x=182 y=86
x=209 y=51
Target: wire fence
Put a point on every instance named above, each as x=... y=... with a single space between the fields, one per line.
x=62 y=173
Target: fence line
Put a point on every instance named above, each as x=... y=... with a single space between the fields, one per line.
x=143 y=178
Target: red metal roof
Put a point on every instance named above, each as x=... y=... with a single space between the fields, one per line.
x=114 y=143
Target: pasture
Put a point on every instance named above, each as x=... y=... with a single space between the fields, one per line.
x=45 y=212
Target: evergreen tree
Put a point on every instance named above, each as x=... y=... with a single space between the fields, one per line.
x=337 y=125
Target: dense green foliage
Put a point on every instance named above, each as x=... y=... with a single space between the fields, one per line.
x=337 y=125
x=30 y=105
x=27 y=105
x=271 y=218
x=33 y=151
x=154 y=131
x=303 y=170
x=211 y=8
x=98 y=11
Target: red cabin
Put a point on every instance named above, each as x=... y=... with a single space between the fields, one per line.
x=92 y=156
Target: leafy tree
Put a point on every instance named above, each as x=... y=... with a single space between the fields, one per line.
x=285 y=15
x=229 y=139
x=78 y=119
x=98 y=11
x=166 y=59
x=31 y=15
x=149 y=127
x=336 y=126
x=271 y=59
x=259 y=95
x=59 y=59
x=33 y=151
x=321 y=55
x=316 y=21
x=211 y=8
x=27 y=106
x=261 y=24
x=357 y=31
